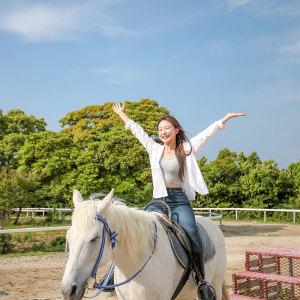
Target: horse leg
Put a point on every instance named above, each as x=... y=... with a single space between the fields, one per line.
x=217 y=284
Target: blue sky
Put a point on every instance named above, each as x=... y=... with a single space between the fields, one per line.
x=200 y=59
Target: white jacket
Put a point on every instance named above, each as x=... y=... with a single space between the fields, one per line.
x=193 y=180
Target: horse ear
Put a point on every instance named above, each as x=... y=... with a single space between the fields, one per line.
x=106 y=201
x=77 y=198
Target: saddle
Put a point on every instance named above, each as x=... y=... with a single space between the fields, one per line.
x=180 y=242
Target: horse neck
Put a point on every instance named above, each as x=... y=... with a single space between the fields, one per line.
x=135 y=236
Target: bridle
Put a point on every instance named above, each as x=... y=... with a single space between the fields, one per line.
x=92 y=284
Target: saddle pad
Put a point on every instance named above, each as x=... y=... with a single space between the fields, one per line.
x=208 y=246
x=178 y=249
x=180 y=253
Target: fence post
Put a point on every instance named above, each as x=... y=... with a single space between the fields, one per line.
x=265 y=216
x=294 y=217
x=66 y=246
x=236 y=214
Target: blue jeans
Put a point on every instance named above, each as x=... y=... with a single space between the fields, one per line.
x=183 y=214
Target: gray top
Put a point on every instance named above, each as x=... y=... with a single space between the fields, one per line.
x=170 y=170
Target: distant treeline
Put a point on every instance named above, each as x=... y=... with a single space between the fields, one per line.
x=93 y=153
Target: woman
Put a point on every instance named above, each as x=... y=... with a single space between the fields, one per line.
x=175 y=173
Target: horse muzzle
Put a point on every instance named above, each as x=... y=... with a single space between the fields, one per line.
x=71 y=291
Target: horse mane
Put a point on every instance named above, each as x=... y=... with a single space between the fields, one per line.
x=134 y=227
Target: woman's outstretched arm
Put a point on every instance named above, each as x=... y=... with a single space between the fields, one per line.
x=198 y=140
x=135 y=128
x=233 y=115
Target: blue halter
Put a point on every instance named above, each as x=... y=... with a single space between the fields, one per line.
x=113 y=239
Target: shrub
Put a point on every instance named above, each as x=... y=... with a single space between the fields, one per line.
x=5 y=244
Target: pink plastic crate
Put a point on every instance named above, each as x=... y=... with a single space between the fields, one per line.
x=266 y=286
x=281 y=261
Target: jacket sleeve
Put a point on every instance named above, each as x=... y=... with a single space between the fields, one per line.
x=141 y=135
x=198 y=140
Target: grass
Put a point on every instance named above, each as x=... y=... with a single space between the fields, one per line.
x=28 y=253
x=36 y=222
x=49 y=241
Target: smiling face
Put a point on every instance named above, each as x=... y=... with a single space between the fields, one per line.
x=167 y=132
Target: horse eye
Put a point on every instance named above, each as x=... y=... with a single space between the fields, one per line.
x=94 y=239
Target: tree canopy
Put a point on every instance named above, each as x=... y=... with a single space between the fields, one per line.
x=15 y=127
x=93 y=152
x=235 y=180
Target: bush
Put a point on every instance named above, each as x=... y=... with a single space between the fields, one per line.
x=5 y=244
x=59 y=241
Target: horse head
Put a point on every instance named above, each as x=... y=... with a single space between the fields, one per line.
x=84 y=238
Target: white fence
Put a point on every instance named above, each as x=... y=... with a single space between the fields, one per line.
x=264 y=210
x=211 y=212
x=42 y=210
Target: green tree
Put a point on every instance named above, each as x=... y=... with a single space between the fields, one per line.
x=16 y=191
x=2 y=124
x=93 y=153
x=266 y=186
x=295 y=172
x=236 y=180
x=51 y=157
x=15 y=127
x=222 y=178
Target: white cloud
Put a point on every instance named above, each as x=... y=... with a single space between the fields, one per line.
x=56 y=23
x=219 y=49
x=275 y=92
x=268 y=8
x=289 y=48
x=272 y=9
x=120 y=75
x=292 y=49
x=235 y=3
x=290 y=54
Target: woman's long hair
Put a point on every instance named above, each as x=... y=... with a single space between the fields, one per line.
x=181 y=138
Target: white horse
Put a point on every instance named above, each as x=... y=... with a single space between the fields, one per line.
x=135 y=244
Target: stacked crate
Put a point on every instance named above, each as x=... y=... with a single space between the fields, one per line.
x=270 y=274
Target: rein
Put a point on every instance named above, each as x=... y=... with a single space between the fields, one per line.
x=113 y=239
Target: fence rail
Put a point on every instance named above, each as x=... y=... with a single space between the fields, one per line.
x=208 y=210
x=54 y=228
x=264 y=210
x=43 y=210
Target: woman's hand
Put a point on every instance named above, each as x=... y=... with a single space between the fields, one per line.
x=118 y=108
x=233 y=115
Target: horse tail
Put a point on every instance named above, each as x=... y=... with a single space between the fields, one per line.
x=225 y=295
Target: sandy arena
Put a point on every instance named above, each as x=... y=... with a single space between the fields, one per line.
x=38 y=277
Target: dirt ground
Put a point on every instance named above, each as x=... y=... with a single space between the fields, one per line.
x=38 y=277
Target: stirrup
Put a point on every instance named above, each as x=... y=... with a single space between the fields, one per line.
x=206 y=291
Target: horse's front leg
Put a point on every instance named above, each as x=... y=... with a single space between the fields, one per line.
x=138 y=293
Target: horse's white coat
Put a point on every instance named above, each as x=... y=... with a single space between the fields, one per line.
x=162 y=273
